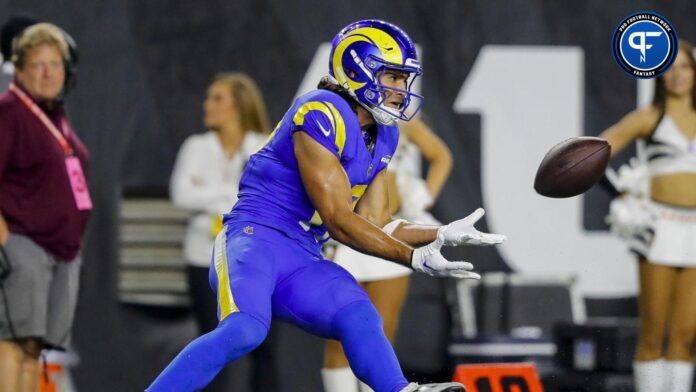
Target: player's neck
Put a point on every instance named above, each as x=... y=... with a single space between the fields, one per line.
x=365 y=118
x=230 y=135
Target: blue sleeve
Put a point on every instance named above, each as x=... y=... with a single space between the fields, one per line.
x=322 y=122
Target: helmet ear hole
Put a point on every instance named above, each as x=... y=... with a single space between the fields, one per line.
x=351 y=74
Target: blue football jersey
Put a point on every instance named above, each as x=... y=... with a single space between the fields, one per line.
x=271 y=190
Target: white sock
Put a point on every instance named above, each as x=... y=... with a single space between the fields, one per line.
x=339 y=380
x=649 y=376
x=680 y=375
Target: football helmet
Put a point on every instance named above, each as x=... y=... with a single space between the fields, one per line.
x=361 y=53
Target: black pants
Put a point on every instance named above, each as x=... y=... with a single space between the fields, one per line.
x=257 y=372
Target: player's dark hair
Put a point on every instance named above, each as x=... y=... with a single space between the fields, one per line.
x=660 y=96
x=325 y=84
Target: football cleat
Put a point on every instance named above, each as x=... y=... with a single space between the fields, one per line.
x=438 y=387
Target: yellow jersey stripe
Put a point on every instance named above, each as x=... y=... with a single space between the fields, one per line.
x=340 y=128
x=224 y=291
x=330 y=111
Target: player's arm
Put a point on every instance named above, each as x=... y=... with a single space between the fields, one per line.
x=460 y=232
x=328 y=188
x=374 y=206
x=393 y=193
x=632 y=126
x=434 y=150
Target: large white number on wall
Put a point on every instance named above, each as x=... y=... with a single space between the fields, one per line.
x=531 y=97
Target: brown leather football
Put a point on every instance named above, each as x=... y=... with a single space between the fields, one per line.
x=572 y=166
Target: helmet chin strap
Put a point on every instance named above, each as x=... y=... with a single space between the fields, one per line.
x=379 y=116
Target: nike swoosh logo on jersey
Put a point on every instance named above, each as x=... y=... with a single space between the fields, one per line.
x=326 y=133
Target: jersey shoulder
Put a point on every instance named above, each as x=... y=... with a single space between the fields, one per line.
x=326 y=117
x=327 y=97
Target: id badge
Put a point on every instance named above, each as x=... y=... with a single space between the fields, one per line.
x=78 y=183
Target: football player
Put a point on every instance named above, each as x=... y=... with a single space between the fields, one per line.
x=320 y=174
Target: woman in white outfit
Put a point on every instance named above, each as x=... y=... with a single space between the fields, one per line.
x=206 y=176
x=667 y=300
x=386 y=283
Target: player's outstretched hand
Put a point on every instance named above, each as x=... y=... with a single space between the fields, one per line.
x=429 y=260
x=463 y=232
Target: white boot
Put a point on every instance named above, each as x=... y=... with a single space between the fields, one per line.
x=339 y=380
x=680 y=375
x=650 y=376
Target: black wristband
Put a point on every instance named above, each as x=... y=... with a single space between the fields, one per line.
x=411 y=258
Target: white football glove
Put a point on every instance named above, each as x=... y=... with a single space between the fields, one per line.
x=463 y=232
x=429 y=260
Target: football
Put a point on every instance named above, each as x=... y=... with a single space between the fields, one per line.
x=572 y=166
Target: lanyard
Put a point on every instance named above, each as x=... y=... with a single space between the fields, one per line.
x=43 y=118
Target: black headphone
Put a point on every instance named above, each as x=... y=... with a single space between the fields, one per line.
x=13 y=29
x=70 y=62
x=10 y=30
